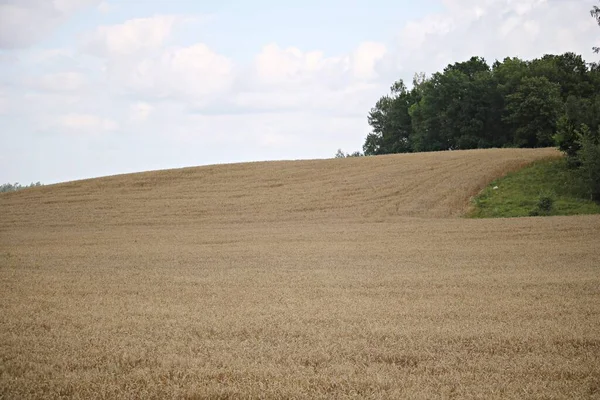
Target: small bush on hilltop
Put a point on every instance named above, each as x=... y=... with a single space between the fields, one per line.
x=8 y=187
x=340 y=154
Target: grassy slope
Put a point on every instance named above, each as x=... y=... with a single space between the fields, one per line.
x=316 y=279
x=518 y=193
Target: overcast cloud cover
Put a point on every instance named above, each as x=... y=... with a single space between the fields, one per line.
x=91 y=88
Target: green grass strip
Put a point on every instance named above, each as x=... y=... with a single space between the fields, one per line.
x=518 y=194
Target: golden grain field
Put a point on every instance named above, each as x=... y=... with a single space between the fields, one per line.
x=343 y=278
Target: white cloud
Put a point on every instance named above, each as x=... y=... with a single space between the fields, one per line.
x=69 y=6
x=199 y=68
x=192 y=74
x=414 y=35
x=276 y=66
x=4 y=104
x=292 y=79
x=59 y=82
x=105 y=7
x=365 y=59
x=48 y=56
x=254 y=136
x=139 y=61
x=8 y=58
x=494 y=29
x=139 y=112
x=86 y=122
x=352 y=100
x=25 y=22
x=130 y=37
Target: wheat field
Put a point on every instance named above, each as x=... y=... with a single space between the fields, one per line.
x=342 y=278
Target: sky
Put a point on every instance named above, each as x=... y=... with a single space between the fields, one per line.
x=92 y=88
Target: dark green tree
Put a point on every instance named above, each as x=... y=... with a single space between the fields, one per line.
x=459 y=109
x=509 y=74
x=468 y=87
x=582 y=106
x=427 y=121
x=470 y=68
x=513 y=103
x=390 y=122
x=578 y=111
x=533 y=111
x=589 y=158
x=569 y=70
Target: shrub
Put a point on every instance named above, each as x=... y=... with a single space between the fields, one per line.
x=546 y=203
x=355 y=154
x=566 y=140
x=341 y=154
x=544 y=206
x=9 y=187
x=589 y=159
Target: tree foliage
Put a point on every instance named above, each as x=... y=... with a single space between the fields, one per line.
x=532 y=112
x=341 y=154
x=470 y=104
x=391 y=122
x=553 y=100
x=10 y=187
x=589 y=158
x=595 y=12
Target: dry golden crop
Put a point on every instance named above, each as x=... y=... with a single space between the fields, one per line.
x=344 y=278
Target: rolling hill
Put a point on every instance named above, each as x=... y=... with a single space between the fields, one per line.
x=342 y=278
x=353 y=189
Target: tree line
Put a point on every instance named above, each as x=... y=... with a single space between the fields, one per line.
x=545 y=102
x=470 y=104
x=10 y=187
